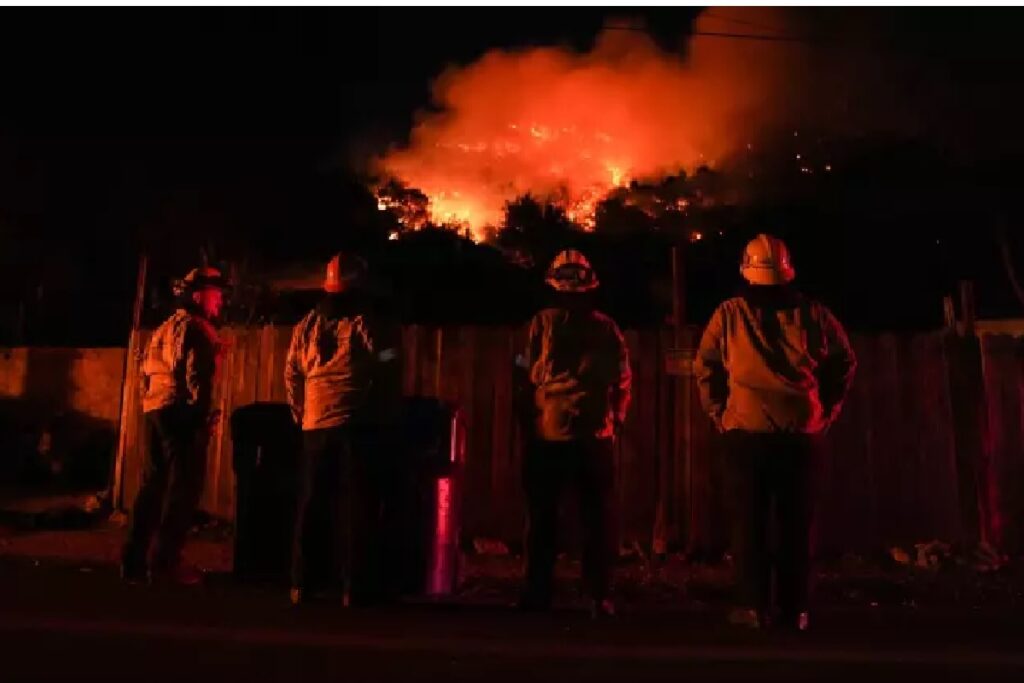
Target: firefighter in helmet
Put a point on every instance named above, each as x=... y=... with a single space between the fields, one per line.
x=342 y=381
x=576 y=370
x=773 y=368
x=178 y=375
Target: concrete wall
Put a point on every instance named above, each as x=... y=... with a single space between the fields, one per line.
x=86 y=381
x=59 y=412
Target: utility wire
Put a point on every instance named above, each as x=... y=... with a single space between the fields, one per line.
x=720 y=34
x=743 y=22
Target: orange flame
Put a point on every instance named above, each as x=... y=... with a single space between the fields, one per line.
x=569 y=128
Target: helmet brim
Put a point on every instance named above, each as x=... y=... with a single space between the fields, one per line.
x=573 y=286
x=767 y=276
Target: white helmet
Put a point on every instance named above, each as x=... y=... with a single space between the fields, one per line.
x=766 y=262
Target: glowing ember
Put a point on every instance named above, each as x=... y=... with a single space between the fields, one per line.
x=569 y=128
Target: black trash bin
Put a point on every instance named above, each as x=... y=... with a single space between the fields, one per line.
x=266 y=443
x=421 y=501
x=423 y=504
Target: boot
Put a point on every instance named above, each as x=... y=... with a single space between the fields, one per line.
x=180 y=574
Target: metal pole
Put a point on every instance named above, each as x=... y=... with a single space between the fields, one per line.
x=683 y=388
x=967 y=307
x=437 y=366
x=116 y=484
x=677 y=299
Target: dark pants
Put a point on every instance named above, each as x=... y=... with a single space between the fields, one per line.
x=172 y=483
x=337 y=514
x=550 y=468
x=773 y=479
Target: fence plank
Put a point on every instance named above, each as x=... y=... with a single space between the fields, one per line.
x=504 y=463
x=846 y=509
x=281 y=340
x=930 y=439
x=892 y=476
x=1001 y=357
x=666 y=532
x=478 y=504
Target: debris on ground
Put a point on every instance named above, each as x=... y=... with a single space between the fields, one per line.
x=935 y=574
x=986 y=559
x=489 y=546
x=72 y=510
x=933 y=555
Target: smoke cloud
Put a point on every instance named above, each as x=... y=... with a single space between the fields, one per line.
x=569 y=127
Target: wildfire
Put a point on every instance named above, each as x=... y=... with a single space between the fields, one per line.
x=570 y=128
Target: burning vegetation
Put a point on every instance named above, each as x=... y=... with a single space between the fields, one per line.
x=574 y=130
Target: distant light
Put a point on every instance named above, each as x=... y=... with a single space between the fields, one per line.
x=696 y=236
x=796 y=133
x=797 y=156
x=828 y=167
x=382 y=205
x=393 y=235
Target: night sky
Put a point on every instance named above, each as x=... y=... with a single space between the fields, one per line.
x=128 y=128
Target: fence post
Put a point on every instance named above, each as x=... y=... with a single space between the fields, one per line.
x=128 y=386
x=970 y=419
x=673 y=517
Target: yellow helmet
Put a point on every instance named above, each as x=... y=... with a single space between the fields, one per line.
x=571 y=272
x=766 y=262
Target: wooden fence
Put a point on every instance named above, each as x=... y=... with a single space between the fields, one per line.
x=895 y=476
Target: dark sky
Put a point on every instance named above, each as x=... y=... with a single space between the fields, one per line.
x=121 y=124
x=105 y=103
x=125 y=125
x=159 y=98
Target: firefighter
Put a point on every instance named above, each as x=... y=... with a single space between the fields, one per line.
x=576 y=369
x=178 y=375
x=342 y=382
x=773 y=368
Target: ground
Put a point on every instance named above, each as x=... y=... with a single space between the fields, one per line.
x=66 y=616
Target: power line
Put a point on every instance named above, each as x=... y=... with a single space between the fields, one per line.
x=744 y=22
x=753 y=36
x=721 y=34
